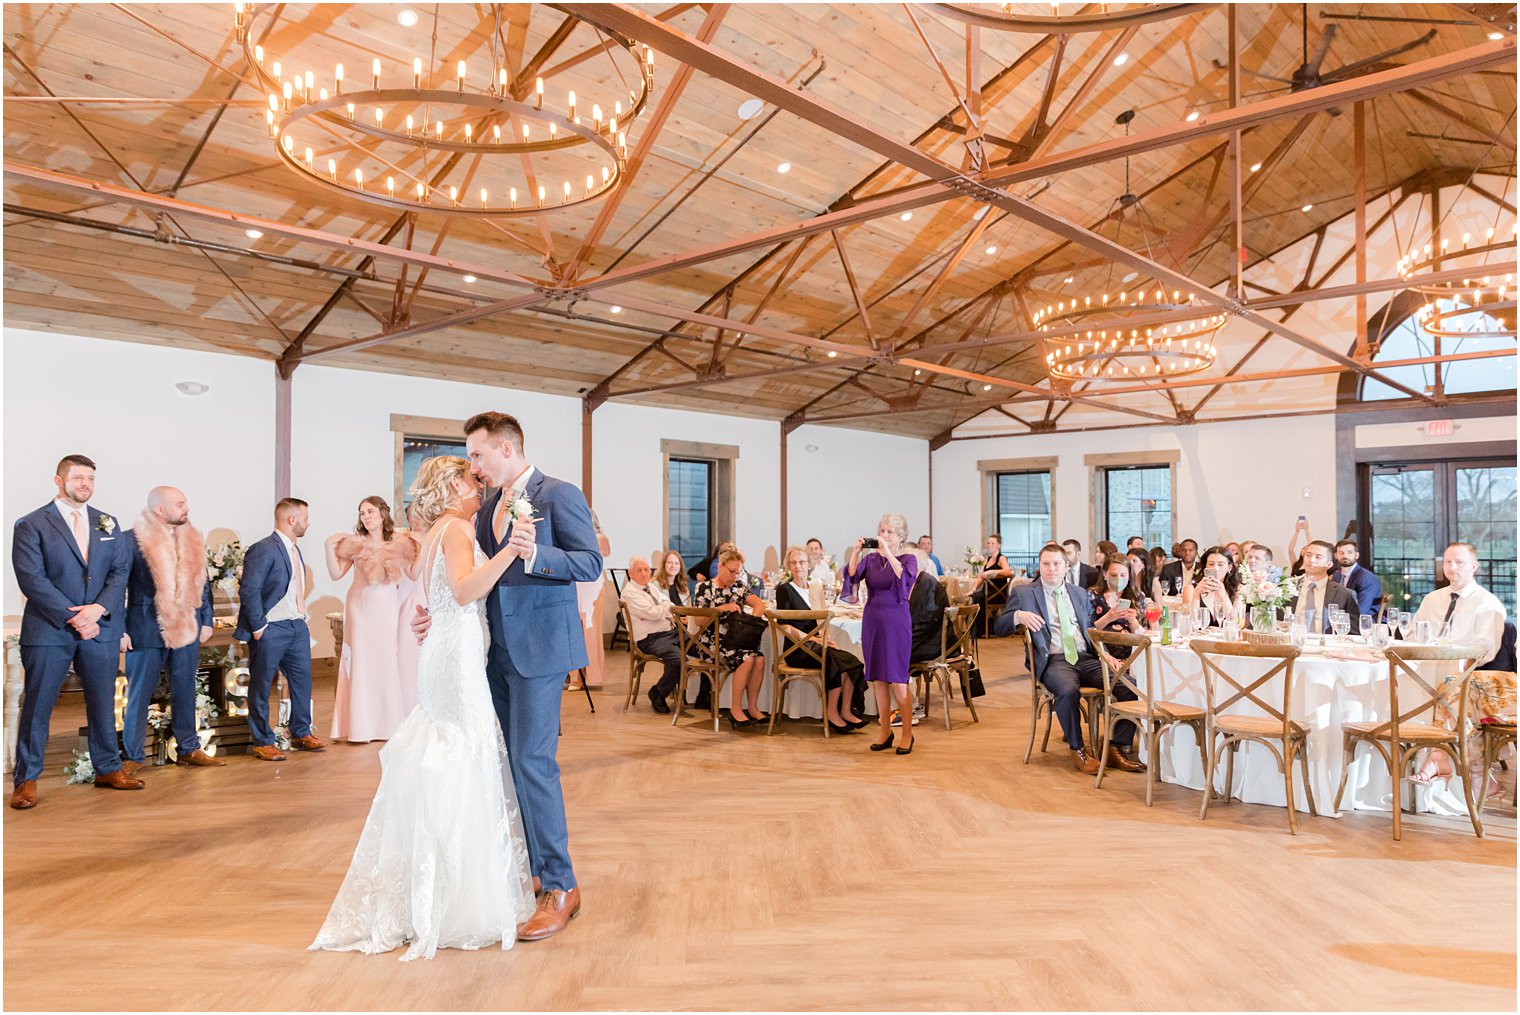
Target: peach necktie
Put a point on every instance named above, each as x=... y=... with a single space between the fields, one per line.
x=499 y=516
x=81 y=536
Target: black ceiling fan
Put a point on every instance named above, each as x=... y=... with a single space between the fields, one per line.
x=1310 y=73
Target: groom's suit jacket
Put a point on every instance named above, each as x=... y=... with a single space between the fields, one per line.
x=52 y=575
x=535 y=615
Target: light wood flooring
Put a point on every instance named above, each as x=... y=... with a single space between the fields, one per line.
x=735 y=871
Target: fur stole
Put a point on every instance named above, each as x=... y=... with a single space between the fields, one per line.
x=176 y=556
x=378 y=563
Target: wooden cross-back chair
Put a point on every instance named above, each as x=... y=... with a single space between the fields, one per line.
x=1152 y=718
x=637 y=658
x=1277 y=731
x=809 y=657
x=956 y=647
x=698 y=659
x=1404 y=734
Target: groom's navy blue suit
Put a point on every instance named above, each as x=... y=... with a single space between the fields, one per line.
x=53 y=576
x=536 y=639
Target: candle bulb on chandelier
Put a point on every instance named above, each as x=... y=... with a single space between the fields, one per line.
x=538 y=93
x=483 y=197
x=438 y=129
x=375 y=71
x=454 y=196
x=275 y=70
x=596 y=116
x=570 y=103
x=525 y=132
x=421 y=192
x=285 y=90
x=496 y=133
x=379 y=116
x=553 y=130
x=308 y=159
x=416 y=72
x=469 y=131
x=502 y=82
x=410 y=124
x=390 y=185
x=540 y=195
x=359 y=178
x=350 y=110
x=323 y=95
x=612 y=126
x=338 y=79
x=332 y=169
x=258 y=55
x=567 y=192
x=512 y=197
x=311 y=82
x=461 y=75
x=269 y=122
x=289 y=144
x=590 y=184
x=606 y=175
x=274 y=101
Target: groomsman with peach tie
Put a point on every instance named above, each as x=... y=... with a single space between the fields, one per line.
x=66 y=560
x=272 y=620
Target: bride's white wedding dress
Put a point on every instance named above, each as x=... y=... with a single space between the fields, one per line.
x=442 y=861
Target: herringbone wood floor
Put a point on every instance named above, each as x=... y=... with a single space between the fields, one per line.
x=732 y=871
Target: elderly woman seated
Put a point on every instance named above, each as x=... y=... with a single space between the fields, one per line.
x=727 y=594
x=842 y=669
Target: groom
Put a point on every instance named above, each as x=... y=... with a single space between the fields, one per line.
x=536 y=638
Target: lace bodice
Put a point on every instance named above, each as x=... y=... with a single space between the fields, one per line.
x=454 y=652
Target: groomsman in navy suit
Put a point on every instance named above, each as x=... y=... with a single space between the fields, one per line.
x=168 y=619
x=272 y=620
x=1362 y=583
x=68 y=565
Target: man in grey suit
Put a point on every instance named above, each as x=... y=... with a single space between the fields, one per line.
x=1057 y=615
x=536 y=639
x=1319 y=592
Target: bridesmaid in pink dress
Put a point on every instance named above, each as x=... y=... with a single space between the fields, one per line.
x=371 y=700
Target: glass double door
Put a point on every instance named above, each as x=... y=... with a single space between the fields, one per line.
x=1414 y=509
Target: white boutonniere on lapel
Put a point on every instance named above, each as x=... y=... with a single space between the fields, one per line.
x=521 y=508
x=107 y=524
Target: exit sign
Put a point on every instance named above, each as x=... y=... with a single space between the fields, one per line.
x=1438 y=428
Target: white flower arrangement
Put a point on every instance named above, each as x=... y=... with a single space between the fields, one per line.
x=1271 y=588
x=974 y=559
x=225 y=561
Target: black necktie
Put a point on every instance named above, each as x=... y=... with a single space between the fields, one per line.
x=1451 y=608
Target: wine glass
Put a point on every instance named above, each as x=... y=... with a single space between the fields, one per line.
x=1341 y=623
x=1406 y=621
x=1200 y=619
x=1365 y=623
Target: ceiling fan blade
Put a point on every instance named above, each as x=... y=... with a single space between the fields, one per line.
x=1351 y=69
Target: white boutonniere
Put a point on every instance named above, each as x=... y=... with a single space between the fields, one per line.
x=107 y=524
x=521 y=508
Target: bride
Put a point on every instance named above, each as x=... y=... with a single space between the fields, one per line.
x=442 y=861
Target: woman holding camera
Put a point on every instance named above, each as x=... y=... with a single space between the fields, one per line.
x=886 y=635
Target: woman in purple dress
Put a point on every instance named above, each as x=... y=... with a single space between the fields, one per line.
x=886 y=635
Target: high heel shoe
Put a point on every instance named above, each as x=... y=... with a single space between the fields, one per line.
x=858 y=724
x=884 y=744
x=841 y=730
x=757 y=719
x=738 y=724
x=909 y=748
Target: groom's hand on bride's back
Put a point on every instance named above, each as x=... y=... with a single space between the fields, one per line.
x=421 y=621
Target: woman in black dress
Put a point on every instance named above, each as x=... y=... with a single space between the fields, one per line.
x=842 y=669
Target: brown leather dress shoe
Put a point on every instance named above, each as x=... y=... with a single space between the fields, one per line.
x=308 y=743
x=1086 y=763
x=555 y=909
x=117 y=780
x=199 y=759
x=131 y=767
x=24 y=798
x=1117 y=759
x=267 y=752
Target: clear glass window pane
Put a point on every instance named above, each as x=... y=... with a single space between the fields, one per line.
x=690 y=500
x=1137 y=501
x=415 y=451
x=1485 y=499
x=1023 y=516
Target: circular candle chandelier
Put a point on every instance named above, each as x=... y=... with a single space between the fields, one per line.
x=1049 y=17
x=1480 y=305
x=448 y=140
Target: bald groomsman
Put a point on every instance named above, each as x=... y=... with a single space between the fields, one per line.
x=168 y=620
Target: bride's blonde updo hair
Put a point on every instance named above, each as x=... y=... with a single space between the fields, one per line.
x=432 y=490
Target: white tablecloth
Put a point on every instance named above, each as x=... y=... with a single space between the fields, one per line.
x=1330 y=692
x=802 y=701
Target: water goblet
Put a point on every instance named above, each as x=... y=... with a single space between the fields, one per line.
x=1364 y=623
x=1298 y=634
x=1231 y=630
x=1341 y=624
x=1406 y=623
x=1423 y=630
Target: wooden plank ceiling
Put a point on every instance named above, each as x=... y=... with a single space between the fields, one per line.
x=197 y=134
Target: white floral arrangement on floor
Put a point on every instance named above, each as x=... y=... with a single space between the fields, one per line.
x=80 y=769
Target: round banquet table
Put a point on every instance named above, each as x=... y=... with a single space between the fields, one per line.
x=802 y=700
x=1344 y=682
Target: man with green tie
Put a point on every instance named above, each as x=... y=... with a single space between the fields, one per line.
x=1057 y=615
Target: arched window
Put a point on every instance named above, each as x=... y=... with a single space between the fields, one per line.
x=1408 y=340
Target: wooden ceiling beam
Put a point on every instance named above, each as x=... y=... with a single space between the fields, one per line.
x=849 y=277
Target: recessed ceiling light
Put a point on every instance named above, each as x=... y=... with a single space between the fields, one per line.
x=750 y=108
x=1131 y=276
x=986 y=387
x=407 y=17
x=1192 y=116
x=1121 y=59
x=785 y=167
x=469 y=278
x=905 y=216
x=1070 y=279
x=252 y=234
x=832 y=354
x=616 y=309
x=992 y=249
x=916 y=373
x=1306 y=207
x=1495 y=36
x=1255 y=166
x=192 y=388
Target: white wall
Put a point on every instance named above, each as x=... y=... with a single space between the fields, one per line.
x=842 y=488
x=116 y=403
x=1234 y=480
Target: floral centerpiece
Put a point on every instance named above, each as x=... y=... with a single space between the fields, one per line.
x=974 y=560
x=225 y=561
x=1267 y=592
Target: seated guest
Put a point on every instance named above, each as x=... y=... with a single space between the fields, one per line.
x=818 y=568
x=654 y=630
x=926 y=544
x=1363 y=584
x=1474 y=613
x=1157 y=562
x=842 y=669
x=994 y=571
x=1057 y=615
x=1218 y=591
x=1140 y=577
x=926 y=606
x=727 y=593
x=1084 y=574
x=670 y=576
x=1295 y=544
x=1258 y=557
x=1319 y=593
x=1116 y=602
x=708 y=566
x=1135 y=543
x=1185 y=570
x=1106 y=550
x=1233 y=549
